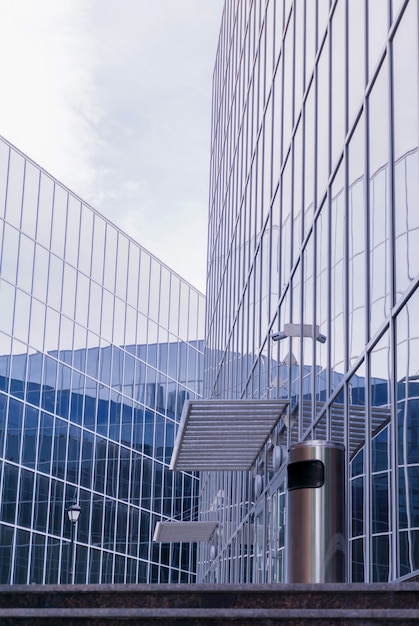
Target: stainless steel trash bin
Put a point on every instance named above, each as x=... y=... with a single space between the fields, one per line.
x=316 y=543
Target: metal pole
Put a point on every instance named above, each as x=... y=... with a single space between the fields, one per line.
x=73 y=527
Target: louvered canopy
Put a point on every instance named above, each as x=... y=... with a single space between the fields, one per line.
x=217 y=435
x=188 y=532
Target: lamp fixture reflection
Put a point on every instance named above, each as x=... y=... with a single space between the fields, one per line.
x=299 y=330
x=73 y=513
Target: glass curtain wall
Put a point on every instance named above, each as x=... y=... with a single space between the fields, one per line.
x=313 y=220
x=100 y=345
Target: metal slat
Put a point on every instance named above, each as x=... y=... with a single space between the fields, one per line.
x=227 y=434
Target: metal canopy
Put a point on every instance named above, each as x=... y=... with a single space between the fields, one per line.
x=380 y=417
x=216 y=435
x=188 y=532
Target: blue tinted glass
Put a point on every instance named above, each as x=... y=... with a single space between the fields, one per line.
x=100 y=464
x=56 y=507
x=8 y=501
x=413 y=487
x=380 y=451
x=14 y=430
x=126 y=427
x=148 y=432
x=357 y=507
x=105 y=366
x=49 y=384
x=357 y=464
x=33 y=388
x=4 y=372
x=18 y=376
x=60 y=448
x=83 y=523
x=30 y=436
x=87 y=459
x=92 y=362
x=74 y=438
x=124 y=473
x=380 y=507
x=380 y=547
x=77 y=396
x=41 y=502
x=159 y=444
x=413 y=429
x=102 y=411
x=21 y=557
x=114 y=416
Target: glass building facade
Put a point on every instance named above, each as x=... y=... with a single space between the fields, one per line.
x=314 y=221
x=100 y=345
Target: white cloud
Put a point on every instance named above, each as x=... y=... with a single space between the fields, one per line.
x=114 y=99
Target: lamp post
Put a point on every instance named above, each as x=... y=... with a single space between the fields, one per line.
x=73 y=512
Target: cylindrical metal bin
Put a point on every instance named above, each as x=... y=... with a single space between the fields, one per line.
x=316 y=543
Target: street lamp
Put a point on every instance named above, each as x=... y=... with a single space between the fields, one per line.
x=73 y=512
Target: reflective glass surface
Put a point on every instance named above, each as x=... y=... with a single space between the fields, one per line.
x=330 y=244
x=91 y=391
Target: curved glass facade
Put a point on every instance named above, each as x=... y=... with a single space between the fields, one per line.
x=314 y=221
x=100 y=344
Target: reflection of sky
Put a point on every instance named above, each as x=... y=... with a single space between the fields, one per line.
x=116 y=103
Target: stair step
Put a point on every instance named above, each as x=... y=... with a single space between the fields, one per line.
x=194 y=605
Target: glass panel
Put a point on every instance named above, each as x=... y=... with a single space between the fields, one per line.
x=53 y=324
x=133 y=270
x=40 y=273
x=378 y=201
x=86 y=233
x=174 y=304
x=378 y=24
x=95 y=307
x=154 y=290
x=110 y=258
x=144 y=284
x=380 y=377
x=405 y=59
x=69 y=291
x=46 y=192
x=59 y=220
x=30 y=199
x=356 y=55
x=26 y=493
x=338 y=80
x=286 y=225
x=22 y=314
x=323 y=120
x=407 y=411
x=4 y=167
x=25 y=267
x=119 y=323
x=380 y=503
x=10 y=254
x=82 y=299
x=55 y=280
x=98 y=251
x=73 y=232
x=356 y=243
x=15 y=189
x=122 y=267
x=309 y=159
x=337 y=271
x=288 y=60
x=297 y=191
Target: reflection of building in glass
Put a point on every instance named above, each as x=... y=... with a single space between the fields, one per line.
x=100 y=348
x=314 y=221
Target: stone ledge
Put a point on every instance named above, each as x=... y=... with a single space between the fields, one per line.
x=194 y=605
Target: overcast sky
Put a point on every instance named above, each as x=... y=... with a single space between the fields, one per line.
x=113 y=98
